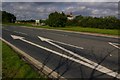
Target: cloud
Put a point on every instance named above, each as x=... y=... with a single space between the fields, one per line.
x=38 y=10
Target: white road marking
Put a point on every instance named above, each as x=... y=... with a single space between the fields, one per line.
x=61 y=43
x=114 y=44
x=6 y=29
x=99 y=68
x=16 y=31
x=70 y=52
x=20 y=32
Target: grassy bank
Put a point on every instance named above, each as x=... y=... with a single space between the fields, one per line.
x=14 y=67
x=78 y=29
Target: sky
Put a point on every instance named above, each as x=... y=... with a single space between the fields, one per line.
x=60 y=0
x=41 y=10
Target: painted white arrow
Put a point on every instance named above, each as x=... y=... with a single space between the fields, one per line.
x=16 y=37
x=99 y=68
x=70 y=52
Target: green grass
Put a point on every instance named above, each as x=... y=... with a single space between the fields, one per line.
x=14 y=67
x=76 y=28
x=94 y=30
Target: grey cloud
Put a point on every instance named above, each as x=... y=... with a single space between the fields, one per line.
x=37 y=10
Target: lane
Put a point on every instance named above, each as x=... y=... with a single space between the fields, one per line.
x=96 y=48
x=32 y=36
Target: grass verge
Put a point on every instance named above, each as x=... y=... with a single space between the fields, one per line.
x=14 y=67
x=77 y=29
x=89 y=30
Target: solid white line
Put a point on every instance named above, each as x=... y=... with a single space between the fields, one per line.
x=99 y=68
x=114 y=44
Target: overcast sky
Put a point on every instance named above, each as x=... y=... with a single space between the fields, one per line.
x=60 y=0
x=40 y=10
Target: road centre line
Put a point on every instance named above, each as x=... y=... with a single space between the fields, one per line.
x=99 y=68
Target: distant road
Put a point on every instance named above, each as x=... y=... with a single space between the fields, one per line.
x=73 y=55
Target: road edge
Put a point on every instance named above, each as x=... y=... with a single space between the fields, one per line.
x=85 y=33
x=37 y=64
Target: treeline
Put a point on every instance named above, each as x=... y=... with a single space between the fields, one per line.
x=57 y=19
x=7 y=17
x=108 y=22
x=60 y=20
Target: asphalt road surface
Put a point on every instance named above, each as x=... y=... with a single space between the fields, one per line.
x=72 y=55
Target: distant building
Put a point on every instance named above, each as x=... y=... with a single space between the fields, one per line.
x=37 y=22
x=70 y=16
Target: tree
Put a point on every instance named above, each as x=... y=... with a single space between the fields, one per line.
x=57 y=19
x=8 y=17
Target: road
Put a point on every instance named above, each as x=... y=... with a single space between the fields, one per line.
x=72 y=55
